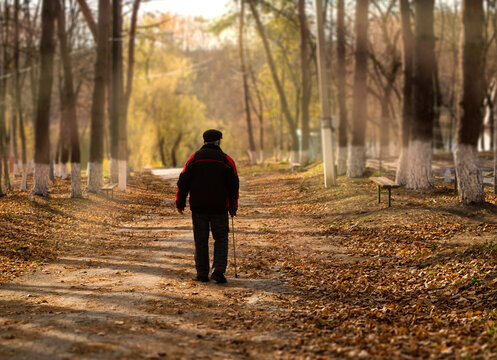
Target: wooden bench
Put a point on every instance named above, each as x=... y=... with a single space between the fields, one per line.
x=384 y=183
x=108 y=188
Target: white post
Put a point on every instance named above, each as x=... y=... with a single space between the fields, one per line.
x=326 y=131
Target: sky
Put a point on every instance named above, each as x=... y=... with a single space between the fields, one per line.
x=205 y=8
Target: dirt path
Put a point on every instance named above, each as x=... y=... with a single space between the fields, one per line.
x=139 y=302
x=323 y=274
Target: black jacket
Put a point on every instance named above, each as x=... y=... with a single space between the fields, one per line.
x=211 y=178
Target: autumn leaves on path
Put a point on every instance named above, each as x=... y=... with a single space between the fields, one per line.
x=322 y=274
x=138 y=301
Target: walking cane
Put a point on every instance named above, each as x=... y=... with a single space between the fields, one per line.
x=234 y=244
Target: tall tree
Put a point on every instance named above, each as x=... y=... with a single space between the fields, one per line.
x=281 y=92
x=341 y=89
x=70 y=101
x=98 y=102
x=4 y=68
x=324 y=98
x=246 y=89
x=469 y=176
x=305 y=66
x=17 y=97
x=357 y=151
x=421 y=134
x=42 y=123
x=117 y=128
x=407 y=38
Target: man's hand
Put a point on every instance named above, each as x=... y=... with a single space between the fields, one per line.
x=180 y=211
x=232 y=212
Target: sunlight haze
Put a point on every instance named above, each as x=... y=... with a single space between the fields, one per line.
x=206 y=9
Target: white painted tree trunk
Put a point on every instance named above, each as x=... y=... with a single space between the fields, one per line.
x=252 y=156
x=261 y=156
x=469 y=178
x=304 y=157
x=64 y=171
x=24 y=179
x=94 y=177
x=356 y=161
x=41 y=179
x=57 y=171
x=114 y=170
x=294 y=157
x=76 y=180
x=402 y=173
x=123 y=174
x=419 y=174
x=342 y=161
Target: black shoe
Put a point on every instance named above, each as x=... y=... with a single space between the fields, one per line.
x=219 y=278
x=202 y=278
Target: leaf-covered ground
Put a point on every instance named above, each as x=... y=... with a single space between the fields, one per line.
x=323 y=273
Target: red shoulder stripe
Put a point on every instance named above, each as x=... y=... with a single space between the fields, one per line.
x=188 y=162
x=232 y=163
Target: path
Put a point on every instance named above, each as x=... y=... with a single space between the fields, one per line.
x=139 y=302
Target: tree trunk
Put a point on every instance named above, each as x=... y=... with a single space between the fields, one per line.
x=3 y=105
x=98 y=104
x=42 y=124
x=407 y=37
x=130 y=72
x=160 y=144
x=260 y=113
x=305 y=66
x=357 y=151
x=246 y=91
x=17 y=98
x=115 y=91
x=174 y=148
x=118 y=125
x=70 y=100
x=384 y=130
x=341 y=89
x=281 y=93
x=85 y=9
x=421 y=134
x=470 y=184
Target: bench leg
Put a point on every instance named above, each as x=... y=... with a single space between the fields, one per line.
x=389 y=196
x=112 y=194
x=379 y=194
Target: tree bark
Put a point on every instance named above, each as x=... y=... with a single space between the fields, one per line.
x=115 y=90
x=407 y=37
x=357 y=152
x=3 y=104
x=421 y=134
x=470 y=184
x=341 y=89
x=98 y=104
x=305 y=66
x=246 y=90
x=281 y=93
x=70 y=100
x=42 y=123
x=174 y=148
x=85 y=9
x=17 y=98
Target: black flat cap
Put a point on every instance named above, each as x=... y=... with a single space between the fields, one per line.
x=212 y=135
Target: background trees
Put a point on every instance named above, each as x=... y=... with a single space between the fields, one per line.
x=252 y=73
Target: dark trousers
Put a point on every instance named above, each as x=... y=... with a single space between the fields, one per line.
x=202 y=225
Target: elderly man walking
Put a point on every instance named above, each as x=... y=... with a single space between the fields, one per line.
x=211 y=179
